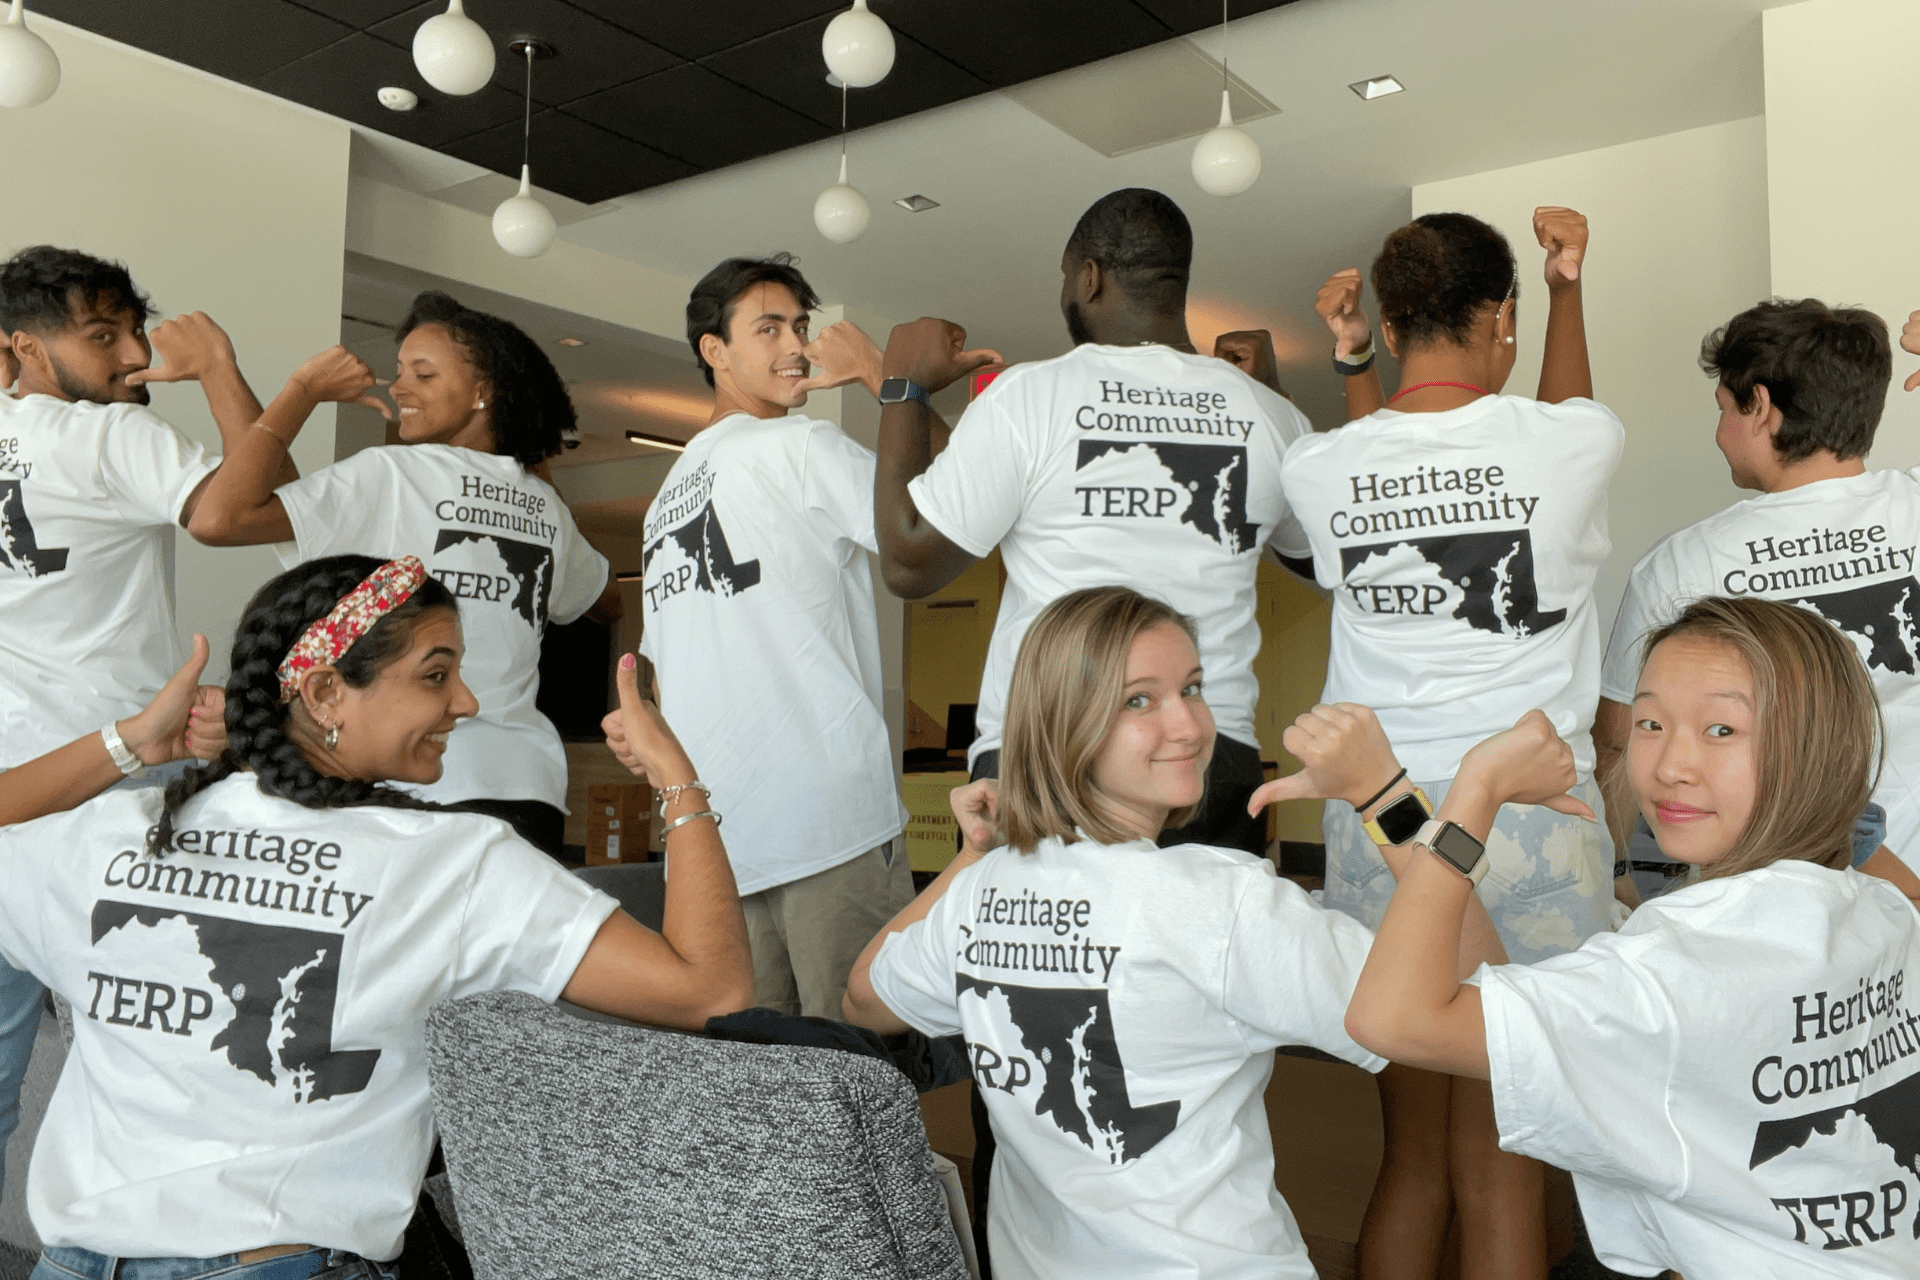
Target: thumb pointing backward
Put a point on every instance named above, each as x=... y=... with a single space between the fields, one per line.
x=1295 y=786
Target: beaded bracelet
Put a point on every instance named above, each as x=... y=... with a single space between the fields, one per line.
x=667 y=795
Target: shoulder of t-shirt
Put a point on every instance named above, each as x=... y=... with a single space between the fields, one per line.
x=1235 y=868
x=831 y=436
x=1015 y=379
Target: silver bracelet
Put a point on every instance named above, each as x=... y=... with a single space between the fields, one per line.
x=123 y=757
x=685 y=818
x=667 y=795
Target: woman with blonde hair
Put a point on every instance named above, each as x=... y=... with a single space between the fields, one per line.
x=1733 y=1077
x=1121 y=1001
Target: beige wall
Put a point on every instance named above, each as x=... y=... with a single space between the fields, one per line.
x=1679 y=244
x=1844 y=189
x=220 y=200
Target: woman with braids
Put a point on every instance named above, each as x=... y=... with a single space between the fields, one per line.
x=1459 y=531
x=250 y=958
x=481 y=410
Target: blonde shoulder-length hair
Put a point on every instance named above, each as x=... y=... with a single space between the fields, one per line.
x=1817 y=729
x=1067 y=688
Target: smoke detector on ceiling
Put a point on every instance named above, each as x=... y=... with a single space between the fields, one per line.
x=394 y=98
x=1378 y=87
x=917 y=203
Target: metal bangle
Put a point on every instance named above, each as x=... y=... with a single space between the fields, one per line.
x=685 y=818
x=667 y=795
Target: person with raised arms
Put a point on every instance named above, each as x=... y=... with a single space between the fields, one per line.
x=1800 y=387
x=270 y=933
x=1460 y=531
x=1129 y=459
x=1733 y=1077
x=482 y=409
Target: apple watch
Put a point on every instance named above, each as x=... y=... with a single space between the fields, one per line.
x=1456 y=847
x=1400 y=821
x=894 y=390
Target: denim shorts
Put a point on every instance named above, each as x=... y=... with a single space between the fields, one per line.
x=308 y=1264
x=1549 y=883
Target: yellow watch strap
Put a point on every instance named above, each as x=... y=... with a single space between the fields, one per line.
x=1372 y=826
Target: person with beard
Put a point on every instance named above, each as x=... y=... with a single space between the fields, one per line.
x=92 y=486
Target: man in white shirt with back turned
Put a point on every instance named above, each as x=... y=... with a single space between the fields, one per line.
x=1130 y=460
x=92 y=486
x=760 y=623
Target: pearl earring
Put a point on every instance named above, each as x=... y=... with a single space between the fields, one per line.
x=481 y=405
x=1509 y=339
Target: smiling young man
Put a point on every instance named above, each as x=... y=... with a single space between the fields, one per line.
x=92 y=486
x=760 y=624
x=1800 y=389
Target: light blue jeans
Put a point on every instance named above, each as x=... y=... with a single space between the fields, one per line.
x=19 y=1019
x=308 y=1264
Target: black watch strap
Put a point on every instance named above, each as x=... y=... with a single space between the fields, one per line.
x=895 y=390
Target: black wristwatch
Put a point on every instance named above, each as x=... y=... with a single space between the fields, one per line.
x=894 y=390
x=1455 y=846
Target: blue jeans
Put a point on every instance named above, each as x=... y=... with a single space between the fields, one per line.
x=19 y=1020
x=308 y=1264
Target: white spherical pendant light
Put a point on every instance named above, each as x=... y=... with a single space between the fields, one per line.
x=522 y=225
x=1225 y=160
x=29 y=70
x=453 y=53
x=841 y=212
x=858 y=47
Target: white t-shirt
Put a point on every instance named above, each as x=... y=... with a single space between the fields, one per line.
x=1461 y=549
x=760 y=621
x=90 y=496
x=1733 y=1078
x=1135 y=466
x=1843 y=548
x=502 y=540
x=249 y=1059
x=1121 y=1004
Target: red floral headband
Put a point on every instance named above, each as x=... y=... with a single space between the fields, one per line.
x=322 y=644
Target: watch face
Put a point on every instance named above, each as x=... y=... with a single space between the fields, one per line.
x=1402 y=820
x=1459 y=847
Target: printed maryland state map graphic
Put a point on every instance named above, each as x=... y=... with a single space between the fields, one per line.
x=1212 y=478
x=528 y=564
x=1881 y=616
x=1493 y=571
x=704 y=543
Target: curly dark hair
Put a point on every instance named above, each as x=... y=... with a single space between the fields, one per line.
x=42 y=286
x=531 y=411
x=276 y=617
x=710 y=305
x=1436 y=274
x=1825 y=368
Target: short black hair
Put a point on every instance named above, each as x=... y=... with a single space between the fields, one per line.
x=1826 y=370
x=1142 y=238
x=1436 y=274
x=42 y=287
x=710 y=305
x=532 y=413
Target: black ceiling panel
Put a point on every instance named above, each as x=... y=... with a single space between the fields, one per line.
x=695 y=28
x=786 y=66
x=642 y=91
x=700 y=117
x=575 y=158
x=238 y=39
x=597 y=55
x=343 y=79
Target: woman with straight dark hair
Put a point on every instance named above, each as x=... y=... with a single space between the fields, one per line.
x=250 y=957
x=482 y=410
x=1121 y=1001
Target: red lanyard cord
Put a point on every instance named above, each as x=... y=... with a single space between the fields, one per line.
x=1418 y=386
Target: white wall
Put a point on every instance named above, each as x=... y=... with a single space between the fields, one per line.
x=1844 y=187
x=219 y=199
x=1679 y=245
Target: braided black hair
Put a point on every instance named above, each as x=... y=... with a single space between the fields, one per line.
x=532 y=414
x=1436 y=274
x=276 y=617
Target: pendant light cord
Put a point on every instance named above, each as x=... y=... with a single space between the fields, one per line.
x=1225 y=86
x=843 y=120
x=526 y=134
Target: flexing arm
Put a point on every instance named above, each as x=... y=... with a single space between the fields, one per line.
x=1251 y=352
x=1409 y=1006
x=165 y=731
x=1564 y=372
x=916 y=558
x=1338 y=303
x=697 y=967
x=237 y=506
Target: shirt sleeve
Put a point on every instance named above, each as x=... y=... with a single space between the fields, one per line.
x=836 y=484
x=583 y=573
x=24 y=868
x=1288 y=537
x=149 y=468
x=913 y=974
x=1290 y=969
x=1581 y=1050
x=330 y=509
x=975 y=490
x=528 y=921
x=1641 y=611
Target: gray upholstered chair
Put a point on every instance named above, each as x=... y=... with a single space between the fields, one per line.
x=580 y=1148
x=639 y=887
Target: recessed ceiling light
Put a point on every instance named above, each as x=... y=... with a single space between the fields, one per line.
x=571 y=342
x=1378 y=87
x=917 y=203
x=656 y=442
